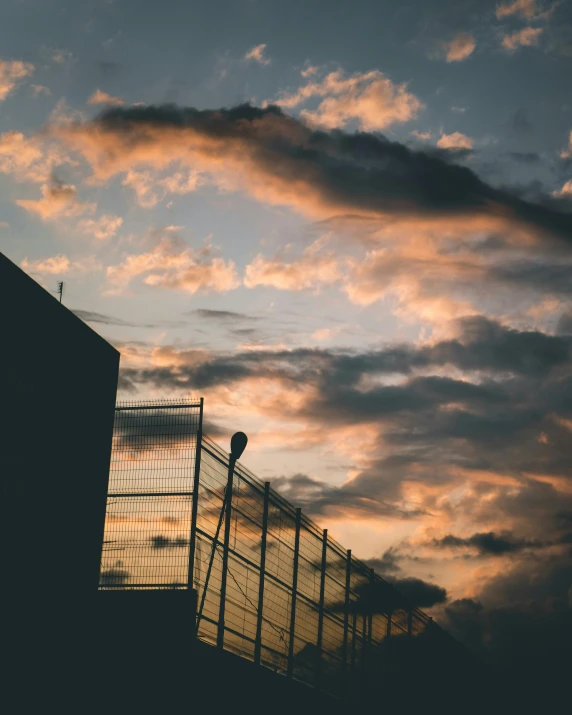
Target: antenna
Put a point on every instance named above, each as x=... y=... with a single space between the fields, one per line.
x=60 y=289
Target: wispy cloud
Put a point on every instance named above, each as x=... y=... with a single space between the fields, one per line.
x=257 y=54
x=58 y=200
x=527 y=37
x=59 y=265
x=11 y=73
x=100 y=97
x=460 y=47
x=173 y=264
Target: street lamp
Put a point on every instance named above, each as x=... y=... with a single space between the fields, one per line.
x=237 y=447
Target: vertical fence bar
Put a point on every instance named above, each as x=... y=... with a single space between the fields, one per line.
x=294 y=592
x=354 y=633
x=225 y=550
x=321 y=607
x=346 y=623
x=195 y=504
x=258 y=641
x=410 y=622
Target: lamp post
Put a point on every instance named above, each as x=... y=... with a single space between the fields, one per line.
x=237 y=447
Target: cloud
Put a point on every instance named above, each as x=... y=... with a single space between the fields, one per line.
x=424 y=136
x=314 y=268
x=151 y=189
x=527 y=37
x=58 y=200
x=369 y=98
x=489 y=543
x=30 y=159
x=11 y=72
x=420 y=594
x=173 y=264
x=455 y=141
x=58 y=265
x=99 y=97
x=565 y=191
x=281 y=161
x=257 y=54
x=222 y=315
x=102 y=228
x=39 y=89
x=526 y=9
x=460 y=47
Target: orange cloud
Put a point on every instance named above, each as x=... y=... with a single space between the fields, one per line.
x=370 y=98
x=456 y=140
x=58 y=200
x=58 y=265
x=30 y=159
x=257 y=54
x=99 y=97
x=527 y=37
x=172 y=264
x=460 y=47
x=102 y=228
x=11 y=72
x=524 y=8
x=313 y=269
x=150 y=189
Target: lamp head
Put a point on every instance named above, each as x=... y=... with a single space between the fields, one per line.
x=238 y=444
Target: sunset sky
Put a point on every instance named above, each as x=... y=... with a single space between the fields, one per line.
x=349 y=227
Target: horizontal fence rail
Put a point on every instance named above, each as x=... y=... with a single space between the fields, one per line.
x=294 y=600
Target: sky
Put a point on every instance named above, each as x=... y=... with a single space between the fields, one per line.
x=349 y=227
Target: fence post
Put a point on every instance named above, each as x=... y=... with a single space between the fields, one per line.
x=225 y=550
x=294 y=591
x=258 y=641
x=346 y=623
x=321 y=607
x=195 y=503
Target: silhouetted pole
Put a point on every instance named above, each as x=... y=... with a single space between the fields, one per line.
x=195 y=504
x=60 y=289
x=258 y=640
x=321 y=607
x=237 y=447
x=346 y=623
x=294 y=594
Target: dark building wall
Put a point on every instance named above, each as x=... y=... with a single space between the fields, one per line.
x=58 y=381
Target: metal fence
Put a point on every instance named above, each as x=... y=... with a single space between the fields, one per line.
x=294 y=600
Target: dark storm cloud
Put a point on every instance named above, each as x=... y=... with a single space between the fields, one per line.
x=222 y=315
x=360 y=172
x=419 y=593
x=504 y=421
x=522 y=624
x=482 y=345
x=489 y=543
x=90 y=316
x=318 y=498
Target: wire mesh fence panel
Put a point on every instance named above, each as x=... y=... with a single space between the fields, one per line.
x=149 y=505
x=295 y=601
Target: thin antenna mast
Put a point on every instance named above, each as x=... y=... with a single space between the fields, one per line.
x=60 y=289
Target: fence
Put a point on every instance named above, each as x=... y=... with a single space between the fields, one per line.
x=272 y=586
